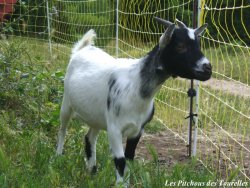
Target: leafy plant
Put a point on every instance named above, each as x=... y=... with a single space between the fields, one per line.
x=27 y=90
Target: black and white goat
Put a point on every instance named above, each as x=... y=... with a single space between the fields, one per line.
x=117 y=95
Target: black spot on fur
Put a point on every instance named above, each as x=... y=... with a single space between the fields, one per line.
x=117 y=90
x=113 y=95
x=87 y=147
x=120 y=164
x=108 y=102
x=111 y=82
x=131 y=146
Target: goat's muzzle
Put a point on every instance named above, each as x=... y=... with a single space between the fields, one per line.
x=204 y=74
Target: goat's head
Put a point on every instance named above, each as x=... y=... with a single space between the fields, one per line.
x=180 y=53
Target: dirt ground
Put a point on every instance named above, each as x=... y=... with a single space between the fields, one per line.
x=169 y=148
x=235 y=88
x=172 y=150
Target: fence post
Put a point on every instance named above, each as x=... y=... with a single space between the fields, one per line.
x=49 y=29
x=197 y=85
x=117 y=28
x=192 y=91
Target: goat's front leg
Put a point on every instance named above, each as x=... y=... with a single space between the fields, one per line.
x=90 y=149
x=115 y=141
x=131 y=146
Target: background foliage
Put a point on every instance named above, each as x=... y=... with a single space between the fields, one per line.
x=70 y=19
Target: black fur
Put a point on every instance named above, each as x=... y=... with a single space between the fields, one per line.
x=108 y=102
x=113 y=95
x=132 y=143
x=151 y=77
x=111 y=82
x=120 y=164
x=87 y=147
x=131 y=146
x=172 y=61
x=181 y=62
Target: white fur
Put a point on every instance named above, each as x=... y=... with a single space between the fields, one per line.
x=87 y=39
x=200 y=63
x=191 y=33
x=86 y=90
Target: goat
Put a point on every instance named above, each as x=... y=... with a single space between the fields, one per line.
x=117 y=95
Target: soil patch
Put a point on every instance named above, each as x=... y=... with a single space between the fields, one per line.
x=235 y=88
x=172 y=150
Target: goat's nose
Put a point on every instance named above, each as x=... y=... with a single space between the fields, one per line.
x=207 y=67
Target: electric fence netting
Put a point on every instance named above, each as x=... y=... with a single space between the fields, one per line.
x=224 y=112
x=126 y=28
x=223 y=103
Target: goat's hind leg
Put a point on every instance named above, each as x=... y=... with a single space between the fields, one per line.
x=90 y=149
x=65 y=115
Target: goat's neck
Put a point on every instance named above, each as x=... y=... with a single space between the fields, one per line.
x=151 y=77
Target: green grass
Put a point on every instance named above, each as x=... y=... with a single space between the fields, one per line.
x=31 y=85
x=28 y=160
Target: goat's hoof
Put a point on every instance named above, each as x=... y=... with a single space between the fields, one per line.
x=121 y=185
x=58 y=153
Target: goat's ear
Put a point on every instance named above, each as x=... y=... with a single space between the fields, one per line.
x=200 y=30
x=163 y=22
x=166 y=37
x=180 y=24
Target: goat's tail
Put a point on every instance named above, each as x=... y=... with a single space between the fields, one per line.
x=87 y=39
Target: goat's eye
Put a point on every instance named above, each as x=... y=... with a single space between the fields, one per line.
x=181 y=48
